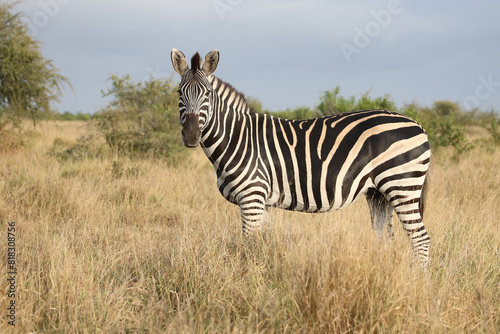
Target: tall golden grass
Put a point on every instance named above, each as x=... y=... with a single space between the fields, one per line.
x=113 y=245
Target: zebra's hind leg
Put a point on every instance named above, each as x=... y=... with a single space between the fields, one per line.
x=381 y=213
x=410 y=213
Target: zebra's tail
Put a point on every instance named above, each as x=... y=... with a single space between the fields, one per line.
x=424 y=194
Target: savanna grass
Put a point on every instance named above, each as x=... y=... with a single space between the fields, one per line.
x=117 y=245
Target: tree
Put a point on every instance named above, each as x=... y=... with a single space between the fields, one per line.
x=142 y=119
x=29 y=82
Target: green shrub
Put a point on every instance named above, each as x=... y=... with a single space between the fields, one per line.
x=490 y=144
x=256 y=104
x=68 y=116
x=142 y=120
x=441 y=124
x=331 y=102
x=86 y=147
x=297 y=113
x=494 y=131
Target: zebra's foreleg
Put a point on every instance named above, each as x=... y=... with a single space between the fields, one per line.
x=252 y=214
x=380 y=212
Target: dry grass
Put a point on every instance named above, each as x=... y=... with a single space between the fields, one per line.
x=154 y=249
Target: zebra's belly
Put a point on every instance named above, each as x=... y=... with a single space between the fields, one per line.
x=238 y=190
x=298 y=202
x=300 y=207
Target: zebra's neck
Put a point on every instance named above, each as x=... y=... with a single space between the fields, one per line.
x=228 y=99
x=229 y=113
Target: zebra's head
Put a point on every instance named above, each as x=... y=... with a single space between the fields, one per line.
x=195 y=93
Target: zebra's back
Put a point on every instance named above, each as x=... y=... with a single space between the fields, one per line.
x=326 y=163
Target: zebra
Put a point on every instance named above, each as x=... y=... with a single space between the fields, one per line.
x=312 y=165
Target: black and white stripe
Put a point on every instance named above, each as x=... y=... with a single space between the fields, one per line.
x=313 y=165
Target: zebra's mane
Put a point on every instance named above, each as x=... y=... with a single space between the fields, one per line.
x=196 y=62
x=222 y=85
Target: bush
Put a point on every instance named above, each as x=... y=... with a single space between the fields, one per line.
x=297 y=113
x=85 y=147
x=256 y=104
x=142 y=120
x=68 y=116
x=494 y=131
x=444 y=121
x=441 y=124
x=331 y=102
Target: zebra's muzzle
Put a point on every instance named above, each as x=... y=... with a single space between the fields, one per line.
x=191 y=133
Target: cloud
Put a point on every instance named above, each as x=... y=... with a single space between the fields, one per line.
x=284 y=52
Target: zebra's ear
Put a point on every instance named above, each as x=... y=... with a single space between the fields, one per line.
x=211 y=61
x=179 y=62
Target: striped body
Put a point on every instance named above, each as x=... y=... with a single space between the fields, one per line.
x=313 y=165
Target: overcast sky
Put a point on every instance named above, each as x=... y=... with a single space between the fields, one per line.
x=283 y=52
